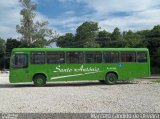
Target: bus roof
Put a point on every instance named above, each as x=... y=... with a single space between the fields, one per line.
x=78 y=49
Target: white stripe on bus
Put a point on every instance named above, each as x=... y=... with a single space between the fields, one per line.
x=72 y=75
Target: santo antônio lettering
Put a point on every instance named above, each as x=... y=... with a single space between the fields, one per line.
x=80 y=69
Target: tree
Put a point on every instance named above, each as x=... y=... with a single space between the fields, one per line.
x=154 y=44
x=2 y=46
x=2 y=53
x=5 y=51
x=144 y=37
x=66 y=40
x=132 y=40
x=86 y=35
x=154 y=38
x=104 y=39
x=34 y=34
x=10 y=44
x=42 y=35
x=116 y=38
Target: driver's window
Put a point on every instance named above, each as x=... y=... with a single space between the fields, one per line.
x=20 y=61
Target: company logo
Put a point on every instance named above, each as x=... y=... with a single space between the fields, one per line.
x=80 y=69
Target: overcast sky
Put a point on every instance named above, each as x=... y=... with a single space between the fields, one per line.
x=65 y=15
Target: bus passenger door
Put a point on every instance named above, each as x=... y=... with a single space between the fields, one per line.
x=19 y=68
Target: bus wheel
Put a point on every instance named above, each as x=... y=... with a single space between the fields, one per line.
x=39 y=80
x=110 y=79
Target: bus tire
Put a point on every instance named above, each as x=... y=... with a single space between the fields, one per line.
x=111 y=78
x=39 y=80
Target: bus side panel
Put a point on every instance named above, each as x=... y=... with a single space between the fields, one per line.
x=38 y=69
x=74 y=72
x=110 y=67
x=133 y=70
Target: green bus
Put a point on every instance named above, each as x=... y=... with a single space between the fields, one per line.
x=108 y=65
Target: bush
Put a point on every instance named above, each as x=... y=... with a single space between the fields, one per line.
x=155 y=70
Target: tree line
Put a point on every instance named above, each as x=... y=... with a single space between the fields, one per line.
x=88 y=35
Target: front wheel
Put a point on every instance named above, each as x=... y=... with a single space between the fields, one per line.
x=111 y=79
x=39 y=80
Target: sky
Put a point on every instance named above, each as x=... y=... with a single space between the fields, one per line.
x=65 y=16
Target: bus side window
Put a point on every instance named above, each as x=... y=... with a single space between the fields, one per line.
x=75 y=57
x=142 y=57
x=93 y=57
x=128 y=57
x=38 y=58
x=55 y=57
x=110 y=57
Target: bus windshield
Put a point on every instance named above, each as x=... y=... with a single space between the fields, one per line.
x=19 y=61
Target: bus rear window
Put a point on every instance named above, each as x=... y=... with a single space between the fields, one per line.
x=141 y=56
x=38 y=57
x=19 y=61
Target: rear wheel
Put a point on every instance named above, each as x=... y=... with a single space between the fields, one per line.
x=39 y=80
x=111 y=79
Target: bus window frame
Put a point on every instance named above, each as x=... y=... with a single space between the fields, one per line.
x=37 y=63
x=95 y=53
x=146 y=57
x=103 y=53
x=27 y=62
x=83 y=58
x=135 y=61
x=46 y=57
